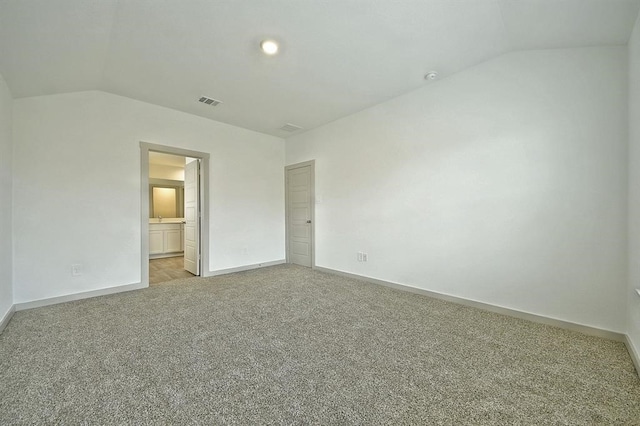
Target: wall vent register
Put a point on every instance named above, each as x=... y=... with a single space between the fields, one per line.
x=290 y=127
x=209 y=101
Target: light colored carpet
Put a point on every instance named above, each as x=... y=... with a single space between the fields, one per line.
x=287 y=345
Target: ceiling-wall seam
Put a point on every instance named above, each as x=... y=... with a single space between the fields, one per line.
x=107 y=51
x=504 y=26
x=634 y=26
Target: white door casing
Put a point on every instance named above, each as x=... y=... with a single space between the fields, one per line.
x=299 y=213
x=192 y=217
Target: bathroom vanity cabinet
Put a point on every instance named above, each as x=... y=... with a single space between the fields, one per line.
x=166 y=239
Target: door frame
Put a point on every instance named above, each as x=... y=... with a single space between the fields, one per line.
x=312 y=193
x=145 y=148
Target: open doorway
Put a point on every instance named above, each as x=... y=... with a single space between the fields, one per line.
x=167 y=218
x=174 y=201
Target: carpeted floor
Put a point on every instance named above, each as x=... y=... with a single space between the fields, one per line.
x=287 y=345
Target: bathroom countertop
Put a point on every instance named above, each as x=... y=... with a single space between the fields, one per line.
x=166 y=220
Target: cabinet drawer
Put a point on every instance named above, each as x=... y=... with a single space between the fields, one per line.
x=164 y=226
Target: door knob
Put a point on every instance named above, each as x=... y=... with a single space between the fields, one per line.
x=308 y=221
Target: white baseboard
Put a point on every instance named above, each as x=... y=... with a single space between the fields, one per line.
x=585 y=329
x=128 y=287
x=633 y=352
x=165 y=255
x=6 y=318
x=77 y=296
x=245 y=268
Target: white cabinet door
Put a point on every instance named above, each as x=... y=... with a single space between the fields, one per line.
x=165 y=238
x=156 y=242
x=172 y=241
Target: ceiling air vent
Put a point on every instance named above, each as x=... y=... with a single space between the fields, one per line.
x=290 y=127
x=209 y=101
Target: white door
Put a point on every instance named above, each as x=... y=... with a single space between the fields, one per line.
x=192 y=217
x=299 y=214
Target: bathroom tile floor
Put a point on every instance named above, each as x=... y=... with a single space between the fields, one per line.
x=167 y=269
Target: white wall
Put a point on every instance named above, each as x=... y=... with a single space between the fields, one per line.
x=505 y=184
x=633 y=320
x=77 y=190
x=6 y=292
x=162 y=171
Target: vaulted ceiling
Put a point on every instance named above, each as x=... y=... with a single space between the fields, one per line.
x=337 y=56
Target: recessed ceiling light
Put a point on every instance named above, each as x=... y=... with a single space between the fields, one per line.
x=269 y=47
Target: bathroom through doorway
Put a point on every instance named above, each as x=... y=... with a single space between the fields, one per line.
x=174 y=194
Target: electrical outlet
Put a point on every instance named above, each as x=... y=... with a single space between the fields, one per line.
x=365 y=257
x=76 y=269
x=360 y=256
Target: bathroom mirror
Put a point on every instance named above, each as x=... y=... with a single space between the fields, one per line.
x=166 y=198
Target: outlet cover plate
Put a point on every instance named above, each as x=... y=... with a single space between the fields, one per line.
x=76 y=269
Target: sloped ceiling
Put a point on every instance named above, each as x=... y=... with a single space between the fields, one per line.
x=337 y=56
